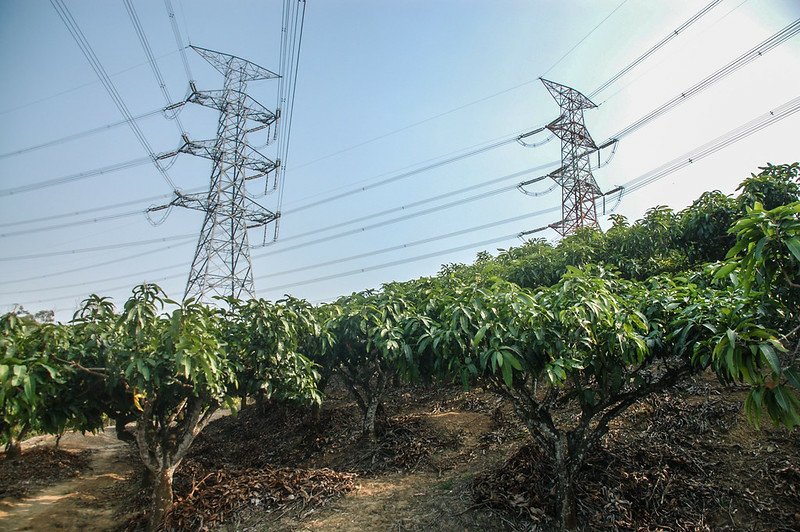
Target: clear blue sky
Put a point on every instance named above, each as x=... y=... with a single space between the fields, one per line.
x=367 y=68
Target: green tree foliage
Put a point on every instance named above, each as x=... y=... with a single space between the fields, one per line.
x=370 y=347
x=574 y=356
x=29 y=378
x=765 y=261
x=266 y=342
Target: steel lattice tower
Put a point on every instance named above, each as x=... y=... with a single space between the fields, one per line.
x=222 y=264
x=579 y=189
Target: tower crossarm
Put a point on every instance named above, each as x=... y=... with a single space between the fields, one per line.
x=221 y=101
x=567 y=97
x=573 y=132
x=256 y=215
x=250 y=158
x=227 y=62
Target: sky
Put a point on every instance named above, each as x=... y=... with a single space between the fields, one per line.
x=383 y=88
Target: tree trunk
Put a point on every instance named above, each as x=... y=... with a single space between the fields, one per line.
x=162 y=497
x=122 y=434
x=13 y=450
x=565 y=492
x=368 y=427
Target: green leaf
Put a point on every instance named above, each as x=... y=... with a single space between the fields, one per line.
x=507 y=375
x=479 y=335
x=793 y=376
x=794 y=246
x=725 y=270
x=771 y=356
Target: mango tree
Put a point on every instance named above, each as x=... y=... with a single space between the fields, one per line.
x=570 y=358
x=370 y=348
x=30 y=379
x=765 y=262
x=176 y=368
x=265 y=341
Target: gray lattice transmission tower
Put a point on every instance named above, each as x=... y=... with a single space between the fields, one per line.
x=222 y=264
x=579 y=190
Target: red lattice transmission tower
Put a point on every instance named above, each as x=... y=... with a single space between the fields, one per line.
x=579 y=190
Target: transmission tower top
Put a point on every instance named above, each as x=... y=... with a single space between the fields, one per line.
x=567 y=97
x=227 y=62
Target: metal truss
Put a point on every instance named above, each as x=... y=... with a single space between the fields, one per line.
x=222 y=265
x=579 y=189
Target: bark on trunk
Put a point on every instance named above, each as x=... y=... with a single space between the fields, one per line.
x=162 y=498
x=122 y=434
x=369 y=419
x=567 y=508
x=13 y=450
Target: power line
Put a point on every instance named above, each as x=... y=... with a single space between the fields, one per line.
x=78 y=213
x=93 y=265
x=106 y=247
x=754 y=53
x=80 y=134
x=438 y=197
x=287 y=94
x=503 y=142
x=94 y=62
x=75 y=177
x=583 y=39
x=653 y=49
x=148 y=52
x=414 y=243
x=83 y=85
x=399 y=262
x=732 y=136
x=178 y=40
x=658 y=63
x=63 y=225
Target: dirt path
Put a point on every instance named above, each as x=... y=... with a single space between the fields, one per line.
x=86 y=502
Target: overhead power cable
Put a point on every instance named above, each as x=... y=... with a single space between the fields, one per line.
x=503 y=142
x=732 y=136
x=80 y=134
x=94 y=209
x=95 y=264
x=653 y=49
x=148 y=52
x=431 y=199
x=416 y=258
x=287 y=92
x=64 y=225
x=81 y=86
x=178 y=40
x=420 y=242
x=583 y=39
x=94 y=249
x=75 y=177
x=754 y=53
x=97 y=66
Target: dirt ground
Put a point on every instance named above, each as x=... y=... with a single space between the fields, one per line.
x=445 y=460
x=88 y=501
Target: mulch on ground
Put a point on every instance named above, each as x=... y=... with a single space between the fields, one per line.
x=680 y=461
x=39 y=467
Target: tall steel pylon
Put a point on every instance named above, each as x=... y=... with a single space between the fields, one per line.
x=579 y=189
x=222 y=264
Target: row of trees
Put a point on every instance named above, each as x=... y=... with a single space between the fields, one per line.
x=571 y=335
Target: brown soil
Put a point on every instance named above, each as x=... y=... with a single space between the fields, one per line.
x=447 y=460
x=90 y=500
